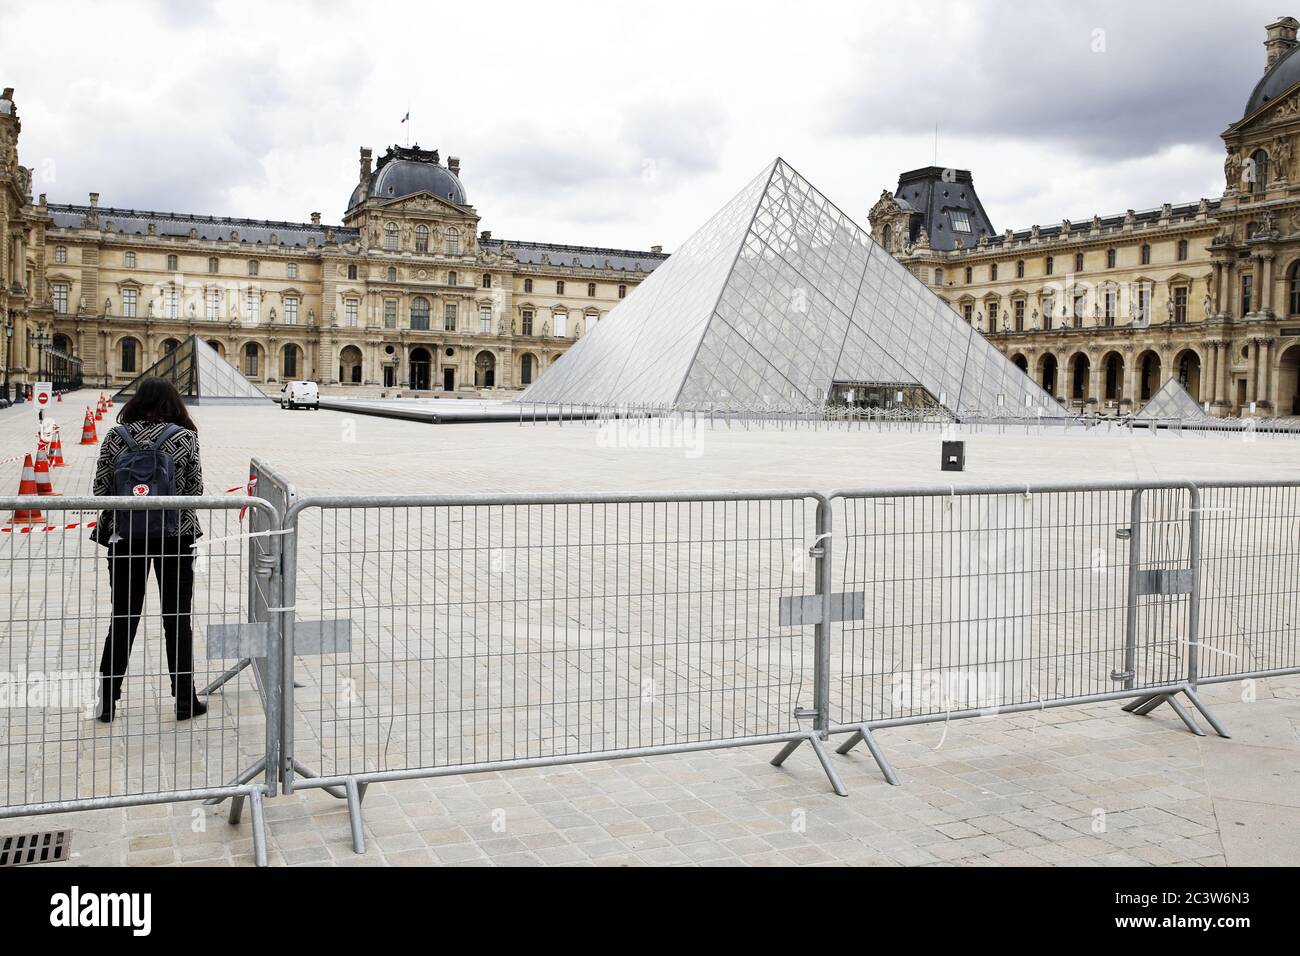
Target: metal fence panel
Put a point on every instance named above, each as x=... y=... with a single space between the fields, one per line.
x=54 y=754
x=1250 y=580
x=983 y=600
x=492 y=631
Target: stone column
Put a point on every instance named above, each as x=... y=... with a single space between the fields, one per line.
x=1221 y=373
x=1252 y=368
x=1095 y=382
x=1264 y=389
x=1266 y=290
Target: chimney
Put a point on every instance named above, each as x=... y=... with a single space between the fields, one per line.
x=453 y=162
x=656 y=248
x=365 y=163
x=94 y=200
x=315 y=219
x=1281 y=38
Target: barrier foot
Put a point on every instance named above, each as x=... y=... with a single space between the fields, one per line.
x=224 y=678
x=243 y=778
x=1213 y=721
x=236 y=809
x=354 y=816
x=1183 y=715
x=1148 y=705
x=853 y=741
x=1137 y=702
x=886 y=768
x=786 y=751
x=259 y=828
x=302 y=770
x=824 y=759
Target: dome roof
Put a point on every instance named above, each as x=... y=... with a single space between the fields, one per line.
x=406 y=171
x=1280 y=77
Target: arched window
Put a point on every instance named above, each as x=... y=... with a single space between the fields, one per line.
x=214 y=264
x=993 y=272
x=1257 y=171
x=1050 y=265
x=392 y=273
x=1020 y=268
x=1293 y=285
x=250 y=359
x=390 y=236
x=352 y=272
x=938 y=277
x=1110 y=258
x=421 y=238
x=172 y=263
x=887 y=236
x=1146 y=254
x=527 y=369
x=487 y=280
x=453 y=241
x=420 y=313
x=1182 y=250
x=622 y=292
x=1078 y=262
x=591 y=290
x=559 y=287
x=128 y=353
x=528 y=285
x=968 y=275
x=452 y=278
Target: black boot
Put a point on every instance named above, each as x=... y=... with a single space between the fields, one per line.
x=107 y=700
x=187 y=702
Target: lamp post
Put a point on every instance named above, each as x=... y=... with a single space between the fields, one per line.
x=9 y=335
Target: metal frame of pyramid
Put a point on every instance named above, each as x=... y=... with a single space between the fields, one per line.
x=774 y=301
x=201 y=375
x=1172 y=401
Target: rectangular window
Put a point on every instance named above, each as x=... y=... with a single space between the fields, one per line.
x=253 y=302
x=449 y=317
x=966 y=311
x=1080 y=307
x=1247 y=287
x=1180 y=304
x=171 y=303
x=350 y=306
x=252 y=267
x=128 y=260
x=214 y=264
x=591 y=290
x=213 y=307
x=1049 y=311
x=291 y=310
x=1110 y=305
x=485 y=319
x=561 y=322
x=993 y=316
x=128 y=355
x=172 y=263
x=1144 y=304
x=390 y=313
x=960 y=221
x=292 y=270
x=59 y=292
x=528 y=322
x=1020 y=314
x=130 y=303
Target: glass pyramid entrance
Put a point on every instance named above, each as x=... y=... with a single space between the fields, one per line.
x=1172 y=401
x=201 y=375
x=781 y=300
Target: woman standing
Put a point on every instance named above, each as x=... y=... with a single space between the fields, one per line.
x=154 y=429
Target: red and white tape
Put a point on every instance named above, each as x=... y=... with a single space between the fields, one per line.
x=33 y=529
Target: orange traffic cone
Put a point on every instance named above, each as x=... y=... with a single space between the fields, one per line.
x=56 y=450
x=41 y=471
x=60 y=397
x=88 y=436
x=99 y=410
x=27 y=486
x=110 y=401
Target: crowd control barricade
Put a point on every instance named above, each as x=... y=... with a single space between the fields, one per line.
x=55 y=756
x=446 y=635
x=983 y=600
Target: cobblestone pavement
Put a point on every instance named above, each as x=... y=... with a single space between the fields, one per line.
x=1086 y=785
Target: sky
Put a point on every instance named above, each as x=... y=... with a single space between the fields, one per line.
x=627 y=125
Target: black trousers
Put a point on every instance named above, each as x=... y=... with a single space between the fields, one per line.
x=172 y=561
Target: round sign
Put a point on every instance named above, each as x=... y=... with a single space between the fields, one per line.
x=42 y=398
x=140 y=490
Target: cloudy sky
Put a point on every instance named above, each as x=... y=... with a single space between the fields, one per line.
x=621 y=124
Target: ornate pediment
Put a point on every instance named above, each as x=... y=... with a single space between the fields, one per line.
x=425 y=203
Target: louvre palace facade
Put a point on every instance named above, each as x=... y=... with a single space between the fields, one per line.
x=406 y=293
x=1103 y=312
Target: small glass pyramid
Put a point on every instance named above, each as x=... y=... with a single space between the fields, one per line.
x=781 y=300
x=1172 y=401
x=201 y=375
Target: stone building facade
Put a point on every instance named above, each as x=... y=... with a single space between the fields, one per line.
x=1102 y=313
x=406 y=293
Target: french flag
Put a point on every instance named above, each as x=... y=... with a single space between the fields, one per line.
x=407 y=116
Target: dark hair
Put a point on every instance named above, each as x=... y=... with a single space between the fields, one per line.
x=156 y=400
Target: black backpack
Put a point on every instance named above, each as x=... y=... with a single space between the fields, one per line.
x=140 y=472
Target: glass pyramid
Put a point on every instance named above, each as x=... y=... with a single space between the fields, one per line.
x=776 y=300
x=1172 y=401
x=201 y=375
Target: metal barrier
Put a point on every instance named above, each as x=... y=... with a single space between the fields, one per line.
x=462 y=634
x=54 y=755
x=988 y=600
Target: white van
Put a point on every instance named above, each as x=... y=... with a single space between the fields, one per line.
x=300 y=395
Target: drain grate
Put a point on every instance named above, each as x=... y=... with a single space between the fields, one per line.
x=25 y=848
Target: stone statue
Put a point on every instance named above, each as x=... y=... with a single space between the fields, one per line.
x=1206 y=305
x=1033 y=318
x=151 y=308
x=546 y=329
x=108 y=306
x=1169 y=309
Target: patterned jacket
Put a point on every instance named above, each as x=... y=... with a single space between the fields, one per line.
x=183 y=446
